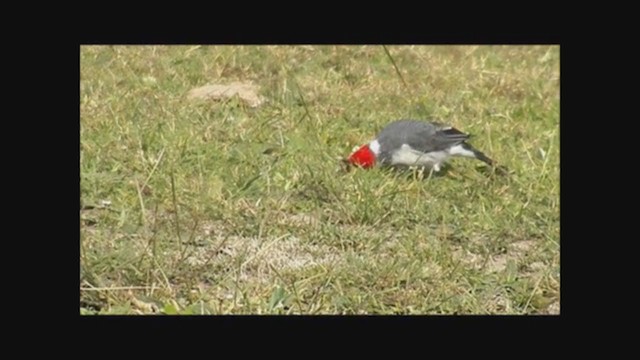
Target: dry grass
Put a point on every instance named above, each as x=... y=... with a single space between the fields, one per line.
x=220 y=207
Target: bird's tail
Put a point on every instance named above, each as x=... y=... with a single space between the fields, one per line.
x=484 y=158
x=478 y=154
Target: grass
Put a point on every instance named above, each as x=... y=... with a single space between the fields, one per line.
x=203 y=207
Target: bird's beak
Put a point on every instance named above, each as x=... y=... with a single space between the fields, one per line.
x=345 y=165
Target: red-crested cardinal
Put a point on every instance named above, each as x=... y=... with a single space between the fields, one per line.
x=405 y=143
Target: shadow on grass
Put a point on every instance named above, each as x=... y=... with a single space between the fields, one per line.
x=494 y=170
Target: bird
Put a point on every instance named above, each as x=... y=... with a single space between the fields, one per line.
x=406 y=143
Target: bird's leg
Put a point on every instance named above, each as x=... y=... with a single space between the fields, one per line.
x=418 y=172
x=433 y=170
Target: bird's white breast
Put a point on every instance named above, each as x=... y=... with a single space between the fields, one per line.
x=408 y=156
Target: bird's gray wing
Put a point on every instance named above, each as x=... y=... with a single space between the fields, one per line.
x=421 y=136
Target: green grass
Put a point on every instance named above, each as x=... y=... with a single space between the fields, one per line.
x=219 y=208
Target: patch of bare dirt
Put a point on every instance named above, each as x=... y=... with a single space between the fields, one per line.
x=256 y=258
x=554 y=309
x=247 y=92
x=498 y=262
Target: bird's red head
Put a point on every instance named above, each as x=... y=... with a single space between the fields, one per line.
x=363 y=157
